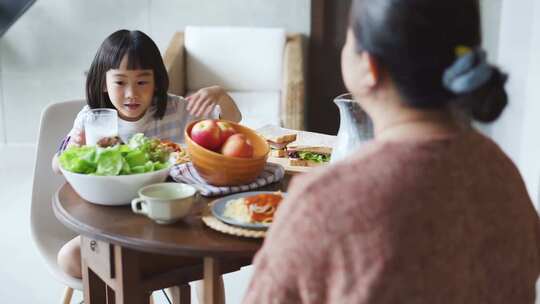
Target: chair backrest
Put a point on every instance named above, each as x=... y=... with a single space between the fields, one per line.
x=48 y=233
x=236 y=58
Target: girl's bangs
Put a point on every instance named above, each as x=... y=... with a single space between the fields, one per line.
x=137 y=58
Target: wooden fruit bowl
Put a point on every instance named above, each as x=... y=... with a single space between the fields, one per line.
x=220 y=170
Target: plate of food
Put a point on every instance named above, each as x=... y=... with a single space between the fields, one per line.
x=178 y=153
x=251 y=210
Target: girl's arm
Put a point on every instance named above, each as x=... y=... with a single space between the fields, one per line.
x=203 y=101
x=56 y=165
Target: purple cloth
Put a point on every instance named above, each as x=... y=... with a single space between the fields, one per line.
x=186 y=173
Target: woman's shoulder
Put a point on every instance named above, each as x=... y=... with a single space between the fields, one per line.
x=337 y=173
x=322 y=186
x=397 y=165
x=326 y=193
x=365 y=175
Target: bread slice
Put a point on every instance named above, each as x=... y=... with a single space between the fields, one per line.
x=278 y=153
x=313 y=149
x=275 y=146
x=282 y=139
x=303 y=163
x=277 y=135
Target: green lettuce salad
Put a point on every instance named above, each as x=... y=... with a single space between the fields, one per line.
x=140 y=155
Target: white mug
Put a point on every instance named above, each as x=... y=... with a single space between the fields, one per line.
x=165 y=203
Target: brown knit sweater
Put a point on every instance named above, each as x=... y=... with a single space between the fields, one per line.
x=444 y=220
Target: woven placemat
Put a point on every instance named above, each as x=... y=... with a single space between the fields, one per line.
x=212 y=222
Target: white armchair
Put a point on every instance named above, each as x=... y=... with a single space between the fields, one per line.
x=261 y=68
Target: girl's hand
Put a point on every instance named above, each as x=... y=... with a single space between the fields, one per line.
x=203 y=101
x=77 y=138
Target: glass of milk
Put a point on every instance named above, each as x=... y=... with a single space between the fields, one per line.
x=99 y=123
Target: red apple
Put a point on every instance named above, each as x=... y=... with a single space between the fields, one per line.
x=226 y=130
x=237 y=145
x=207 y=134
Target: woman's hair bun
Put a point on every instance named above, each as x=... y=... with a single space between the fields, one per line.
x=479 y=84
x=486 y=103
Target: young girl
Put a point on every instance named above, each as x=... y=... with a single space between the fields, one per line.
x=128 y=75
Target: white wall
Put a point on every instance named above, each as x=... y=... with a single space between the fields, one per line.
x=491 y=19
x=514 y=57
x=516 y=130
x=44 y=55
x=529 y=154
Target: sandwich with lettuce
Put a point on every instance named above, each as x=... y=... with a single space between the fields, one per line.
x=308 y=156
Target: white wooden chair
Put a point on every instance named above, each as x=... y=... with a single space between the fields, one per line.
x=261 y=68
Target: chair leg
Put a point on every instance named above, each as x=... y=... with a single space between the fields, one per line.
x=68 y=294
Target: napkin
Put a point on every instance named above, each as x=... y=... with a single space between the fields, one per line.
x=186 y=173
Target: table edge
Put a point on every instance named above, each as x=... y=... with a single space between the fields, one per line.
x=68 y=221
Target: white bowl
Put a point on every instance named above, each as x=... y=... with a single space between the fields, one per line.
x=112 y=190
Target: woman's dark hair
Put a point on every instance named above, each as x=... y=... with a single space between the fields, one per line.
x=142 y=53
x=415 y=41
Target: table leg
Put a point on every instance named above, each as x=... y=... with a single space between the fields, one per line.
x=212 y=286
x=112 y=274
x=115 y=274
x=180 y=294
x=129 y=280
x=110 y=295
x=95 y=290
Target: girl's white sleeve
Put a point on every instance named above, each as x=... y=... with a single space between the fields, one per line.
x=214 y=114
x=78 y=126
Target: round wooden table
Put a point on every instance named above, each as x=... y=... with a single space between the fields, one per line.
x=126 y=256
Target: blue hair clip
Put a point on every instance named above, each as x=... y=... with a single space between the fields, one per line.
x=469 y=72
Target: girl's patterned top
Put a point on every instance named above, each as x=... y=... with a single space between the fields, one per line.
x=170 y=127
